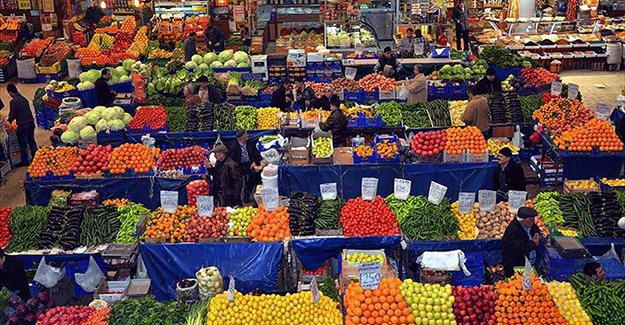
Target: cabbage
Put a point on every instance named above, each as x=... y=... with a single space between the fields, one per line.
x=225 y=55
x=85 y=85
x=243 y=65
x=128 y=64
x=83 y=76
x=99 y=109
x=116 y=125
x=70 y=137
x=216 y=64
x=101 y=126
x=197 y=58
x=87 y=133
x=120 y=111
x=114 y=80
x=127 y=117
x=111 y=114
x=230 y=64
x=240 y=57
x=93 y=75
x=77 y=123
x=124 y=79
x=191 y=65
x=121 y=71
x=92 y=117
x=210 y=57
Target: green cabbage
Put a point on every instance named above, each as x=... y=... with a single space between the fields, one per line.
x=121 y=71
x=243 y=65
x=99 y=109
x=114 y=80
x=128 y=64
x=101 y=126
x=210 y=57
x=225 y=55
x=116 y=125
x=77 y=123
x=85 y=85
x=127 y=117
x=111 y=114
x=197 y=58
x=240 y=57
x=87 y=133
x=83 y=76
x=230 y=64
x=191 y=65
x=93 y=75
x=216 y=64
x=124 y=79
x=70 y=137
x=92 y=117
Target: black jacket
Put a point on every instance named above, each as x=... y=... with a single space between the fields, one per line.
x=303 y=95
x=13 y=277
x=227 y=183
x=513 y=178
x=19 y=111
x=234 y=152
x=337 y=124
x=278 y=99
x=322 y=102
x=216 y=38
x=103 y=93
x=93 y=15
x=516 y=245
x=461 y=17
x=485 y=86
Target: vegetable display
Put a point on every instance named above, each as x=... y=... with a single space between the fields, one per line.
x=177 y=119
x=99 y=225
x=329 y=214
x=415 y=115
x=605 y=212
x=147 y=311
x=129 y=216
x=360 y=217
x=200 y=117
x=26 y=224
x=529 y=104
x=390 y=112
x=373 y=81
x=491 y=224
x=93 y=160
x=438 y=112
x=421 y=220
x=149 y=117
x=575 y=209
x=245 y=117
x=5 y=232
x=548 y=208
x=303 y=209
x=224 y=117
x=503 y=57
x=603 y=302
x=428 y=144
x=67 y=315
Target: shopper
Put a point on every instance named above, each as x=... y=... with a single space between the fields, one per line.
x=19 y=111
x=12 y=275
x=190 y=97
x=509 y=175
x=227 y=180
x=323 y=100
x=477 y=112
x=189 y=47
x=417 y=87
x=304 y=95
x=94 y=14
x=419 y=39
x=282 y=97
x=204 y=90
x=406 y=44
x=520 y=240
x=103 y=93
x=244 y=153
x=336 y=123
x=461 y=18
x=595 y=271
x=214 y=38
x=489 y=84
x=388 y=65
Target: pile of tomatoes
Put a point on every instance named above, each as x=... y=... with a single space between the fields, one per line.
x=215 y=226
x=5 y=233
x=149 y=117
x=428 y=144
x=135 y=156
x=269 y=225
x=360 y=217
x=59 y=161
x=182 y=158
x=93 y=160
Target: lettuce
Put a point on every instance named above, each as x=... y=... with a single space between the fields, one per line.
x=70 y=137
x=77 y=123
x=87 y=133
x=92 y=117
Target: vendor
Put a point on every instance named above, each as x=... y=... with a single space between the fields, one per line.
x=204 y=90
x=189 y=47
x=461 y=17
x=244 y=153
x=94 y=14
x=323 y=100
x=12 y=275
x=21 y=114
x=103 y=93
x=477 y=112
x=417 y=87
x=214 y=38
x=336 y=123
x=227 y=184
x=595 y=271
x=489 y=84
x=520 y=240
x=304 y=95
x=388 y=65
x=282 y=97
x=509 y=175
x=406 y=44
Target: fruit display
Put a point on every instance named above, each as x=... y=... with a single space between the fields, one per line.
x=428 y=144
x=560 y=114
x=99 y=225
x=196 y=188
x=507 y=84
x=469 y=138
x=361 y=258
x=70 y=315
x=58 y=161
x=240 y=219
x=474 y=305
x=534 y=78
x=214 y=226
x=582 y=184
x=390 y=112
x=295 y=309
x=438 y=112
x=118 y=203
x=360 y=217
x=374 y=82
x=364 y=151
x=496 y=144
x=5 y=231
x=466 y=222
x=303 y=208
x=328 y=215
x=268 y=118
x=602 y=301
x=618 y=182
x=269 y=225
x=209 y=281
x=149 y=117
x=129 y=216
x=341 y=84
x=56 y=52
x=34 y=48
x=605 y=212
x=140 y=44
x=387 y=149
x=172 y=227
x=421 y=220
x=456 y=109
x=25 y=224
x=548 y=208
x=576 y=212
x=382 y=305
x=171 y=159
x=93 y=160
x=322 y=147
x=594 y=134
x=133 y=156
x=566 y=300
x=491 y=224
x=428 y=303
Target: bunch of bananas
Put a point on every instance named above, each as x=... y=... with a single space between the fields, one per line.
x=494 y=145
x=354 y=111
x=456 y=109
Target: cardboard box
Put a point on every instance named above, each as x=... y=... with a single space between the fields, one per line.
x=343 y=156
x=55 y=68
x=349 y=271
x=111 y=291
x=298 y=156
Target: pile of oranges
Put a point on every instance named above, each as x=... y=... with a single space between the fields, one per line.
x=364 y=151
x=170 y=226
x=384 y=305
x=128 y=25
x=387 y=149
x=59 y=161
x=469 y=138
x=595 y=133
x=133 y=156
x=269 y=225
x=517 y=306
x=561 y=114
x=118 y=203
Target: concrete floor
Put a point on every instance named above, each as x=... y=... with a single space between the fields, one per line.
x=12 y=187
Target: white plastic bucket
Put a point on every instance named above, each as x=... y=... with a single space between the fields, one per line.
x=270 y=181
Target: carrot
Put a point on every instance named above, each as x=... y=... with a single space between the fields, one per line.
x=98 y=317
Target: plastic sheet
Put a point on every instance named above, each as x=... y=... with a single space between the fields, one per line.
x=254 y=266
x=466 y=177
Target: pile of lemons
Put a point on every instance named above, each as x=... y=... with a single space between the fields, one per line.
x=268 y=118
x=566 y=300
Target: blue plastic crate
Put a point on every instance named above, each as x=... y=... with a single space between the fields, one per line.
x=437 y=91
x=46 y=78
x=64 y=94
x=354 y=96
x=457 y=90
x=614 y=270
x=353 y=122
x=370 y=96
x=124 y=87
x=146 y=130
x=393 y=138
x=50 y=113
x=88 y=98
x=370 y=122
x=503 y=74
x=360 y=160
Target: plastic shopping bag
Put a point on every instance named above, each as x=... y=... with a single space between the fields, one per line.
x=47 y=275
x=90 y=280
x=444 y=261
x=403 y=92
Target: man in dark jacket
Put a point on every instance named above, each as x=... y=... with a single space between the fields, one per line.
x=489 y=84
x=305 y=95
x=520 y=240
x=323 y=100
x=388 y=65
x=13 y=276
x=509 y=176
x=94 y=14
x=214 y=38
x=19 y=111
x=227 y=179
x=103 y=93
x=282 y=97
x=189 y=47
x=244 y=153
x=461 y=18
x=336 y=123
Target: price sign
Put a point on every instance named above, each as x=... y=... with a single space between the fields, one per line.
x=526 y=281
x=359 y=49
x=388 y=94
x=230 y=293
x=437 y=193
x=487 y=200
x=350 y=73
x=270 y=198
x=402 y=188
x=556 y=88
x=205 y=205
x=419 y=49
x=369 y=275
x=328 y=191
x=603 y=111
x=314 y=289
x=465 y=202
x=573 y=91
x=516 y=199
x=169 y=201
x=369 y=188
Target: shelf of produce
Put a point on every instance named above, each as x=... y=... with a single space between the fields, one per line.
x=367 y=62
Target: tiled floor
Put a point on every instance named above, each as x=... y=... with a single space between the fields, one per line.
x=12 y=188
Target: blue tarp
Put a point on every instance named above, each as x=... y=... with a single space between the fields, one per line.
x=254 y=266
x=313 y=252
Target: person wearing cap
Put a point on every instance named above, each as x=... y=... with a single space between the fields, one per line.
x=520 y=240
x=244 y=153
x=509 y=175
x=227 y=185
x=489 y=84
x=477 y=112
x=336 y=123
x=388 y=65
x=13 y=276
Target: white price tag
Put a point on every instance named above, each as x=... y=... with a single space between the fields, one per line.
x=487 y=200
x=516 y=200
x=369 y=188
x=314 y=289
x=386 y=94
x=270 y=198
x=350 y=73
x=369 y=275
x=402 y=188
x=230 y=294
x=465 y=202
x=556 y=88
x=359 y=49
x=573 y=91
x=205 y=205
x=328 y=191
x=419 y=49
x=527 y=281
x=603 y=111
x=169 y=201
x=437 y=193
